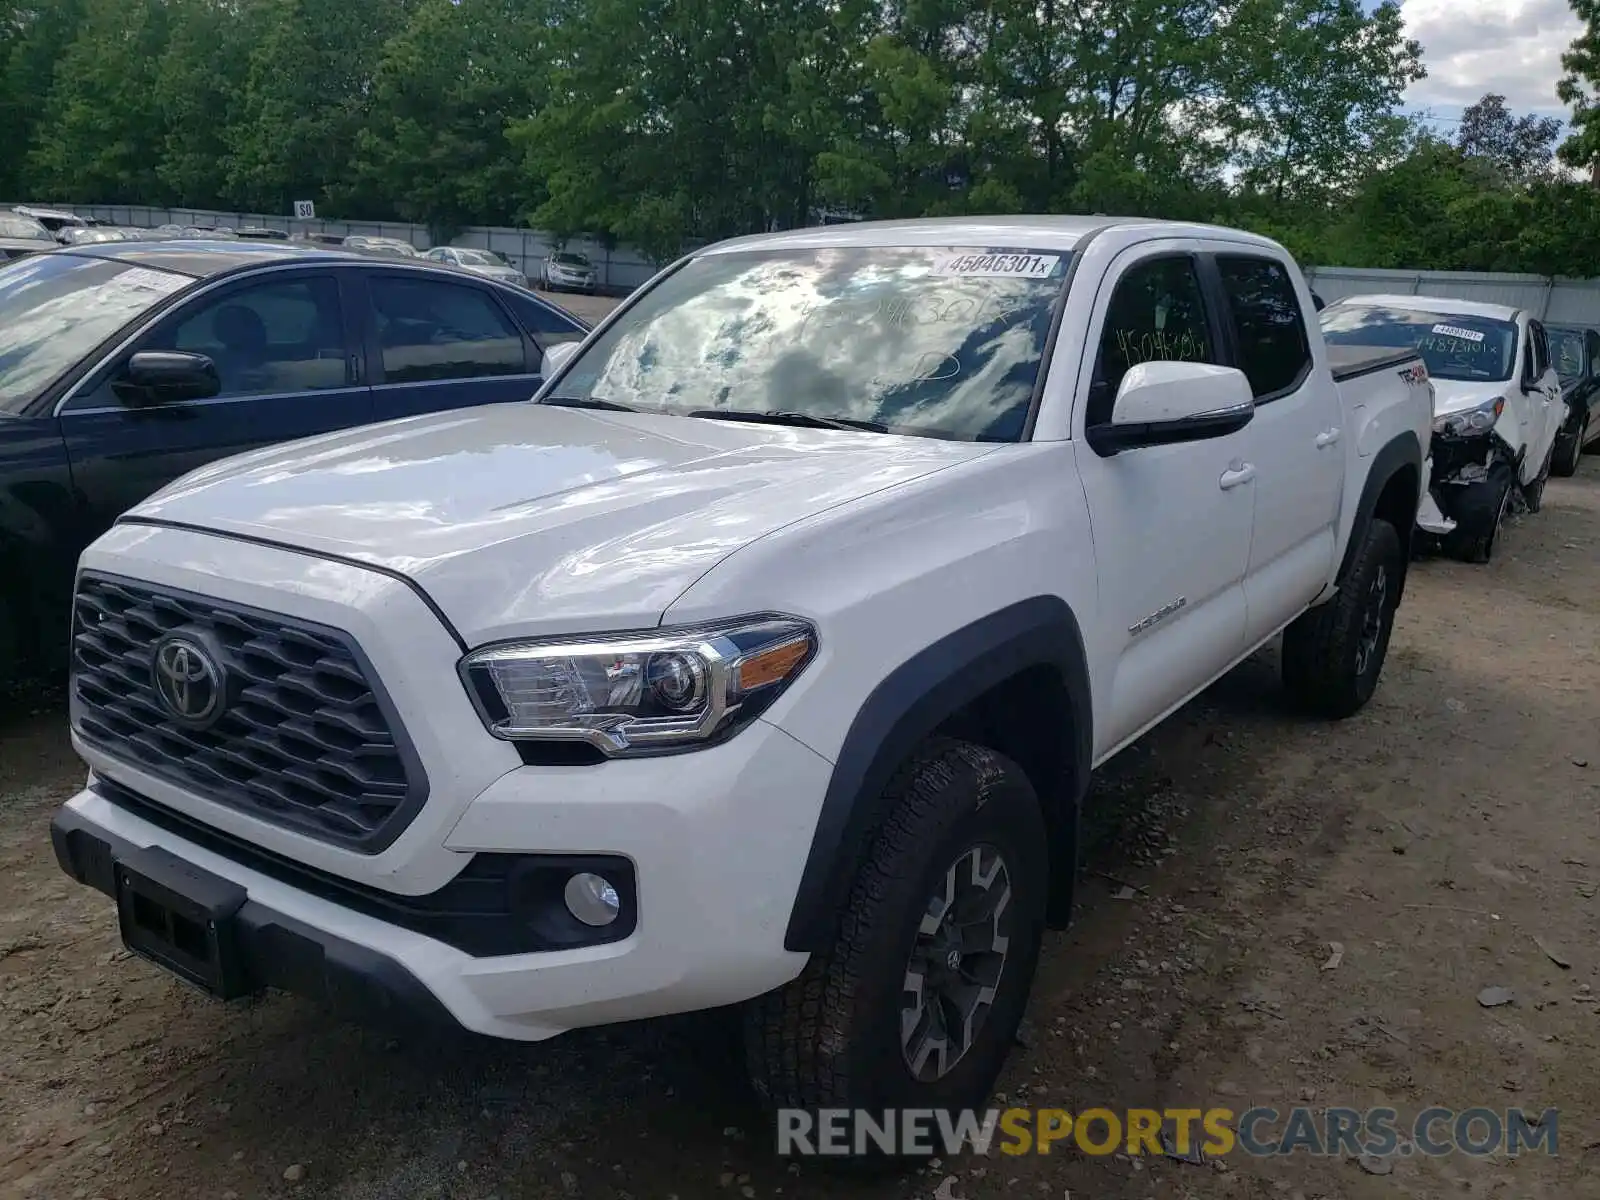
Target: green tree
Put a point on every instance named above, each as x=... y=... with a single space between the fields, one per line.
x=305 y=99
x=445 y=89
x=1579 y=88
x=199 y=97
x=103 y=121
x=1310 y=92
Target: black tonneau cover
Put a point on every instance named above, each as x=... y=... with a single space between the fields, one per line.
x=1349 y=361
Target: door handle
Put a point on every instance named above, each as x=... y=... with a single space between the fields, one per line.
x=1234 y=476
x=1327 y=438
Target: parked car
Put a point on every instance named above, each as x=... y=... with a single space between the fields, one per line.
x=479 y=262
x=1575 y=350
x=566 y=272
x=22 y=235
x=125 y=364
x=54 y=219
x=318 y=239
x=1499 y=404
x=92 y=234
x=740 y=670
x=386 y=246
x=262 y=233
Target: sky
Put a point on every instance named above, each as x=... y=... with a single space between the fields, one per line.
x=1471 y=47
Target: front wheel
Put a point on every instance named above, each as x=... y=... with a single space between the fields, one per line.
x=1333 y=655
x=1569 y=449
x=917 y=1000
x=1533 y=492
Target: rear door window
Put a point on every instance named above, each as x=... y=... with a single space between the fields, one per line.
x=1269 y=328
x=429 y=330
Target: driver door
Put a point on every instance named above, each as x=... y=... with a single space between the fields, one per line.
x=1546 y=409
x=284 y=349
x=1172 y=524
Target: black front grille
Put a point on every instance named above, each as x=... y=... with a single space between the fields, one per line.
x=305 y=739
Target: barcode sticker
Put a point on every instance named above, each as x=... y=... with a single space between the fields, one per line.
x=163 y=282
x=998 y=266
x=1455 y=331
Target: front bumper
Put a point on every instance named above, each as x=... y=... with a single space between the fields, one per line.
x=716 y=839
x=1468 y=477
x=715 y=849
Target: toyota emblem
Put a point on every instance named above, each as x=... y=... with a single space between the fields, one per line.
x=188 y=680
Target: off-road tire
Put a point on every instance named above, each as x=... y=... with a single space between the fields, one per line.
x=1533 y=492
x=1568 y=453
x=1479 y=547
x=1322 y=668
x=832 y=1037
x=10 y=643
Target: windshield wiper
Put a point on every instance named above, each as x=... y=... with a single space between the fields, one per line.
x=804 y=419
x=587 y=402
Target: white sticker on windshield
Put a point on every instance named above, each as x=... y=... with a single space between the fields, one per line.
x=1455 y=331
x=163 y=282
x=998 y=266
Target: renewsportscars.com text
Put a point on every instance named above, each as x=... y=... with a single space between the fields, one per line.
x=1185 y=1132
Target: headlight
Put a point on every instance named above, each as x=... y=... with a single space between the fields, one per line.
x=1474 y=420
x=639 y=693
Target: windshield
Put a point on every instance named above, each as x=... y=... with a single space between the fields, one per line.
x=1566 y=352
x=571 y=260
x=14 y=226
x=479 y=258
x=56 y=308
x=1453 y=346
x=936 y=341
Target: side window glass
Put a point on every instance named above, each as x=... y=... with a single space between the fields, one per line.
x=1157 y=314
x=1273 y=351
x=548 y=326
x=429 y=330
x=1591 y=343
x=272 y=337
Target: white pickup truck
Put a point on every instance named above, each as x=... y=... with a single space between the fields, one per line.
x=762 y=658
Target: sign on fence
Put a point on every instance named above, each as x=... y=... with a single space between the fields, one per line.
x=305 y=210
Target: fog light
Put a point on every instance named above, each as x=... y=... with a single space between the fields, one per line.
x=592 y=899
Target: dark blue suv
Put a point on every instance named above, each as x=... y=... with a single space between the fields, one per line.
x=124 y=365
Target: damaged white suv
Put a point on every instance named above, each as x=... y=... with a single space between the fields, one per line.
x=762 y=659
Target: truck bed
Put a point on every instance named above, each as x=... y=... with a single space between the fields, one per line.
x=1347 y=362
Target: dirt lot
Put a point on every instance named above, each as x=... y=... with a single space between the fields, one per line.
x=1433 y=837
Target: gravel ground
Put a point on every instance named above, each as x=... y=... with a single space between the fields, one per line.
x=1433 y=837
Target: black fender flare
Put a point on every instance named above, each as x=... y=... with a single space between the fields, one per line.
x=908 y=705
x=1401 y=451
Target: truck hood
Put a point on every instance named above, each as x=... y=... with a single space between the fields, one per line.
x=523 y=519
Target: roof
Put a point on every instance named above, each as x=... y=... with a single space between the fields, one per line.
x=201 y=258
x=1439 y=305
x=1048 y=232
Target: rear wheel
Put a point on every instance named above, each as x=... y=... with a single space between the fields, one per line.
x=917 y=1000
x=1333 y=655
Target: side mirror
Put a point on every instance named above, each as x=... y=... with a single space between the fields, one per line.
x=167 y=377
x=556 y=357
x=1161 y=403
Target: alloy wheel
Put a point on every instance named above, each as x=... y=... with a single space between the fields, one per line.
x=1372 y=621
x=955 y=964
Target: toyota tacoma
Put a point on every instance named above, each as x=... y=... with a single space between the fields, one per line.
x=760 y=659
